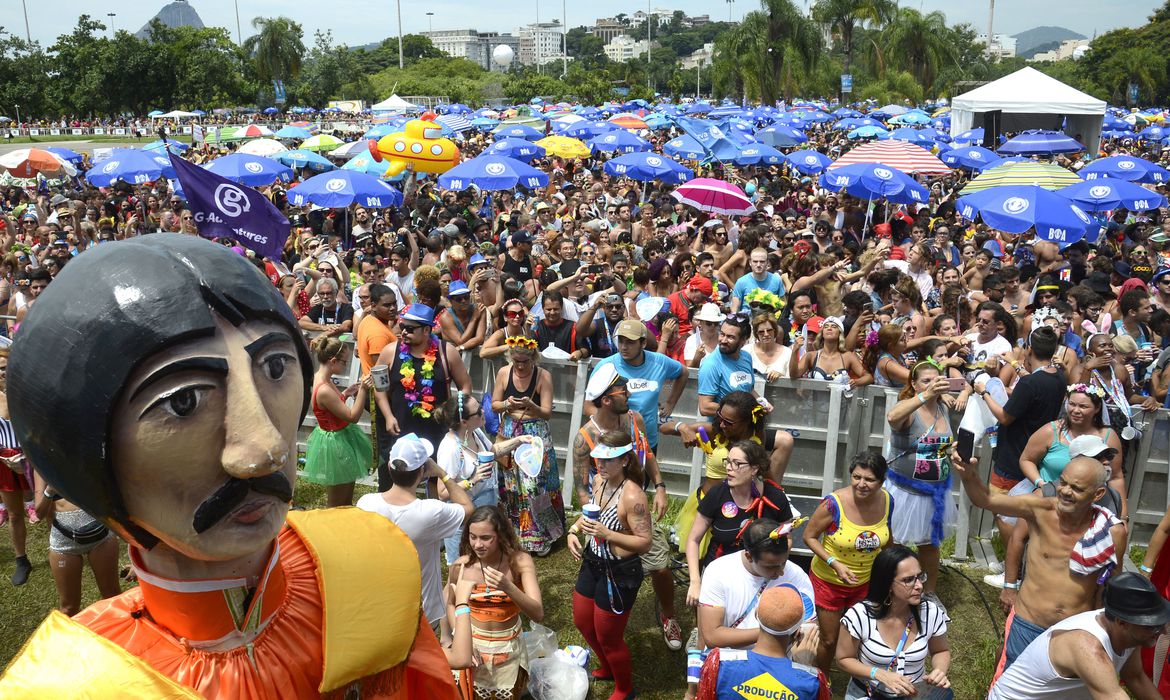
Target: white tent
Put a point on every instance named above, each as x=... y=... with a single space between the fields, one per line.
x=393 y=103
x=1030 y=99
x=176 y=114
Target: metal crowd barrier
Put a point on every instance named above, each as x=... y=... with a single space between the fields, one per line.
x=829 y=424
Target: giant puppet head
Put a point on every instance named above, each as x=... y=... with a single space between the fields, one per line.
x=158 y=383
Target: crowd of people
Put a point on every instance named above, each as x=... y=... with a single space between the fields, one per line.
x=1067 y=347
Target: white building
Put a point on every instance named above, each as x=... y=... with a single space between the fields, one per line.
x=698 y=56
x=607 y=29
x=473 y=45
x=1069 y=48
x=541 y=41
x=1002 y=45
x=660 y=16
x=624 y=47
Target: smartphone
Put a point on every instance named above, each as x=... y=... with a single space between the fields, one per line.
x=956 y=384
x=596 y=269
x=966 y=446
x=301 y=277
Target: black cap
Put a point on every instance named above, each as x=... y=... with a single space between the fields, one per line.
x=1099 y=283
x=1133 y=599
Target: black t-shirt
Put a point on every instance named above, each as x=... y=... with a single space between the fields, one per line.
x=562 y=336
x=338 y=315
x=727 y=518
x=1036 y=400
x=520 y=269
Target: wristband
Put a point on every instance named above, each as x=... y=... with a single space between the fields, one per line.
x=921 y=400
x=465 y=484
x=462 y=610
x=830 y=560
x=660 y=485
x=1014 y=586
x=1145 y=569
x=872 y=672
x=444 y=478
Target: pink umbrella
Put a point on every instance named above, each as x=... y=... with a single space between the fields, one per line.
x=716 y=196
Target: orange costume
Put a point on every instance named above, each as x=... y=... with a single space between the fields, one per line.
x=335 y=615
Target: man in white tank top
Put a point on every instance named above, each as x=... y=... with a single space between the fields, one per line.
x=1089 y=654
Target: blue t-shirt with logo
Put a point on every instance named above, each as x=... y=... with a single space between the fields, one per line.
x=645 y=384
x=721 y=374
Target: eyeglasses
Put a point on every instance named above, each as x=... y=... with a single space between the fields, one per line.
x=723 y=420
x=765 y=330
x=735 y=465
x=911 y=580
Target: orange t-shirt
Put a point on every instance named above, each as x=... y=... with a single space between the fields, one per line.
x=372 y=336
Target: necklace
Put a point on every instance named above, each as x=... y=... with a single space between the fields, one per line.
x=605 y=501
x=499 y=567
x=420 y=396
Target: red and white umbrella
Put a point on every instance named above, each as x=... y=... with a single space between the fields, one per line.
x=902 y=155
x=252 y=131
x=29 y=162
x=715 y=196
x=629 y=120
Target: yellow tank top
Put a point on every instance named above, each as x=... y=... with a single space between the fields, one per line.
x=718 y=454
x=854 y=545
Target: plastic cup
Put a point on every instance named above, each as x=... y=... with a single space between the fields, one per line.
x=485 y=457
x=381 y=376
x=591 y=511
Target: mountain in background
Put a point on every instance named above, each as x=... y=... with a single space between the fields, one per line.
x=175 y=14
x=1038 y=39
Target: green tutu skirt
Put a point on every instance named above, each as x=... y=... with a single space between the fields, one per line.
x=335 y=457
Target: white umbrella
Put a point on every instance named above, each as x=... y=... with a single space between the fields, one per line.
x=350 y=149
x=263 y=147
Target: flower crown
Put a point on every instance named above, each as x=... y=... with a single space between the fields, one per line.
x=872 y=338
x=1087 y=389
x=519 y=341
x=763 y=296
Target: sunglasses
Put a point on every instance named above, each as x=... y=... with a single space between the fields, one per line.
x=410 y=328
x=724 y=421
x=515 y=314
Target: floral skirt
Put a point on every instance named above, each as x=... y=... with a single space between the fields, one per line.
x=533 y=503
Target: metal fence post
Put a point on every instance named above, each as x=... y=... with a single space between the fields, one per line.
x=567 y=485
x=829 y=469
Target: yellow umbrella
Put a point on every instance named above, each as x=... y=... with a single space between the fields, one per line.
x=564 y=147
x=941 y=111
x=322 y=142
x=1047 y=175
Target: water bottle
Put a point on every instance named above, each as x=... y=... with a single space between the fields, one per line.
x=694 y=665
x=846 y=389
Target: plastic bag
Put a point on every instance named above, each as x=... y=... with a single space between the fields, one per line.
x=539 y=642
x=553 y=679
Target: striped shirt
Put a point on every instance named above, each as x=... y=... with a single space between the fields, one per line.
x=875 y=652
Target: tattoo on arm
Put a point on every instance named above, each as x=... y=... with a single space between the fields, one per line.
x=639 y=519
x=581 y=464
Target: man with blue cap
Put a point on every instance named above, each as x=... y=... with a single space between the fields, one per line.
x=462 y=326
x=422 y=369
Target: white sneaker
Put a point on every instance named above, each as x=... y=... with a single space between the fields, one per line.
x=996 y=567
x=994 y=580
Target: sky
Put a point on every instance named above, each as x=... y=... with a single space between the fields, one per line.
x=357 y=22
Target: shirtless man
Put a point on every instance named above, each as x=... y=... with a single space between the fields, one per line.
x=1062 y=577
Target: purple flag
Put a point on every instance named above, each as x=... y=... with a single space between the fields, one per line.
x=224 y=209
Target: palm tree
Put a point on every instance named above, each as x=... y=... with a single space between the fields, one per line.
x=277 y=48
x=840 y=17
x=1140 y=65
x=770 y=49
x=917 y=43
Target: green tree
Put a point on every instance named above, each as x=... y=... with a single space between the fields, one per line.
x=770 y=50
x=23 y=77
x=917 y=43
x=841 y=17
x=277 y=48
x=79 y=88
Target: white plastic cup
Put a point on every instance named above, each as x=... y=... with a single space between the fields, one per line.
x=485 y=457
x=591 y=511
x=381 y=376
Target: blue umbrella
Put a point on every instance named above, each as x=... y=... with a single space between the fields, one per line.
x=1018 y=208
x=1040 y=142
x=485 y=123
x=1129 y=168
x=856 y=122
x=247 y=169
x=648 y=166
x=271 y=110
x=657 y=121
x=299 y=133
x=302 y=158
x=172 y=146
x=1110 y=193
x=685 y=147
x=577 y=130
x=1153 y=133
x=845 y=112
x=875 y=181
x=342 y=188
x=974 y=158
x=757 y=153
x=973 y=135
x=155 y=113
x=365 y=163
x=620 y=141
x=491 y=172
x=66 y=154
x=517 y=131
x=199 y=113
x=913 y=117
x=781 y=136
x=130 y=165
x=867 y=132
x=519 y=149
x=458 y=108
x=809 y=162
x=698 y=108
x=910 y=135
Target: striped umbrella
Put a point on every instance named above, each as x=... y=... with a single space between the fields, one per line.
x=252 y=131
x=455 y=122
x=715 y=196
x=1047 y=175
x=629 y=121
x=321 y=142
x=29 y=162
x=896 y=154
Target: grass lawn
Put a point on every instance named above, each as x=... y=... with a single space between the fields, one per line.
x=658 y=672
